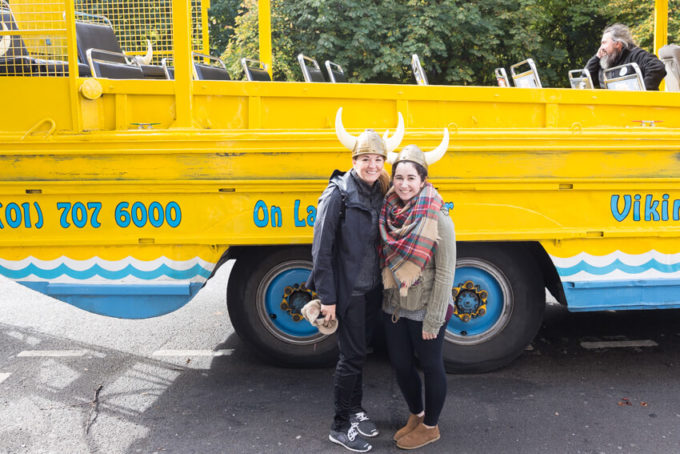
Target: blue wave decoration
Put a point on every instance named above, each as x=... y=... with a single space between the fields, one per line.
x=96 y=270
x=618 y=265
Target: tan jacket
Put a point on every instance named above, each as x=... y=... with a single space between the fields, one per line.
x=432 y=291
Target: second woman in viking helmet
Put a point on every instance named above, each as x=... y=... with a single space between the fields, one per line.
x=346 y=272
x=419 y=259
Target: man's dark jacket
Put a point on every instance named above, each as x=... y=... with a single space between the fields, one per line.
x=653 y=69
x=340 y=242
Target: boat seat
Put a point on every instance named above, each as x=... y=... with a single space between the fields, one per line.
x=99 y=47
x=167 y=69
x=418 y=72
x=205 y=71
x=580 y=79
x=670 y=55
x=255 y=70
x=200 y=69
x=626 y=77
x=525 y=75
x=335 y=72
x=311 y=71
x=502 y=77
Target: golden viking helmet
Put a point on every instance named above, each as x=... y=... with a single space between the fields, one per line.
x=414 y=154
x=369 y=141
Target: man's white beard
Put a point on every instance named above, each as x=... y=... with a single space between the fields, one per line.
x=608 y=60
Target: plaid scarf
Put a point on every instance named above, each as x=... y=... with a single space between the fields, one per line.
x=409 y=234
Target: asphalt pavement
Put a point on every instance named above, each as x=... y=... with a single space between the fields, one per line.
x=74 y=382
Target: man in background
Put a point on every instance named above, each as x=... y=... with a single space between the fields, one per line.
x=617 y=48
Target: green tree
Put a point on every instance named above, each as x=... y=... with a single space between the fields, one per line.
x=221 y=18
x=244 y=41
x=459 y=42
x=575 y=28
x=639 y=16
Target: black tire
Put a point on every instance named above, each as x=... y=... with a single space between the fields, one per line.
x=514 y=310
x=253 y=300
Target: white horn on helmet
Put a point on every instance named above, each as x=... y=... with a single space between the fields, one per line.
x=392 y=157
x=393 y=142
x=345 y=138
x=435 y=155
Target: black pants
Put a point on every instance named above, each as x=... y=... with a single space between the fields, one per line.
x=404 y=339
x=355 y=332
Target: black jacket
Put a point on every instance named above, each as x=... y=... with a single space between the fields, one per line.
x=653 y=70
x=340 y=241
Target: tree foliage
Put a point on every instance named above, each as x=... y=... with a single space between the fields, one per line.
x=640 y=17
x=458 y=42
x=221 y=18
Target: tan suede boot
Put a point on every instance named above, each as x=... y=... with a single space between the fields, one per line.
x=412 y=423
x=418 y=437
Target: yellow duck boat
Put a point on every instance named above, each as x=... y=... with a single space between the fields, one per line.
x=129 y=178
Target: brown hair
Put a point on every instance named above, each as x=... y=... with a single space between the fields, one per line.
x=384 y=181
x=422 y=171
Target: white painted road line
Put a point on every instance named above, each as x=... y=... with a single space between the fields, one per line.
x=52 y=353
x=225 y=352
x=619 y=344
x=4 y=376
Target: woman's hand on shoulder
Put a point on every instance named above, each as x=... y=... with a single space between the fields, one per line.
x=328 y=312
x=428 y=336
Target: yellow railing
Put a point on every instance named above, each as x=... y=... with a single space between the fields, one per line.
x=37 y=29
x=32 y=29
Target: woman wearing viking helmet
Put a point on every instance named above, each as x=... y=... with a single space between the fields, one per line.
x=419 y=259
x=346 y=271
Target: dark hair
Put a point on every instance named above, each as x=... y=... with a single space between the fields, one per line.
x=422 y=171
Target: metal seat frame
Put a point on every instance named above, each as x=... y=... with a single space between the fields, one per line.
x=312 y=74
x=220 y=69
x=580 y=79
x=418 y=72
x=255 y=70
x=113 y=57
x=528 y=78
x=502 y=77
x=335 y=72
x=626 y=77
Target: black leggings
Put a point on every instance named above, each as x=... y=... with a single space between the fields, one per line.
x=404 y=340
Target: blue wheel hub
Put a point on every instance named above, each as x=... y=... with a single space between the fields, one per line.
x=469 y=301
x=482 y=302
x=284 y=296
